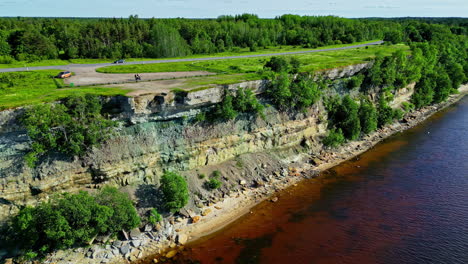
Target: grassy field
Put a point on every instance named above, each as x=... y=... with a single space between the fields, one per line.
x=26 y=88
x=243 y=51
x=310 y=62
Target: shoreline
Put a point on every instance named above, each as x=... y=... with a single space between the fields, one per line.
x=234 y=207
x=172 y=234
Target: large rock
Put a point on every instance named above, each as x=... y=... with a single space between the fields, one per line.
x=125 y=249
x=182 y=239
x=135 y=234
x=171 y=254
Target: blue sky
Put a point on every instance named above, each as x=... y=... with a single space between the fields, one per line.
x=211 y=8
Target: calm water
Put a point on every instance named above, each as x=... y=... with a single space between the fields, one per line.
x=406 y=201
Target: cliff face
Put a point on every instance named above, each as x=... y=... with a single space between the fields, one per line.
x=159 y=136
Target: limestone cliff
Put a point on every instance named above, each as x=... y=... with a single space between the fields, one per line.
x=158 y=134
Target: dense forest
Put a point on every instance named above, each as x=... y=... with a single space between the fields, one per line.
x=32 y=39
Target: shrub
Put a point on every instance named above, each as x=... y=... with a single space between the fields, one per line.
x=201 y=176
x=71 y=127
x=305 y=92
x=175 y=190
x=355 y=81
x=278 y=64
x=367 y=116
x=154 y=216
x=398 y=114
x=213 y=183
x=216 y=174
x=124 y=215
x=246 y=101
x=225 y=110
x=334 y=138
x=278 y=91
x=407 y=106
x=72 y=220
x=344 y=115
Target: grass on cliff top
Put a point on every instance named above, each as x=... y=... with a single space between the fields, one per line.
x=309 y=61
x=26 y=88
x=239 y=51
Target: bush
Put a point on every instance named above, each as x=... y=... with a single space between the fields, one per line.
x=246 y=102
x=344 y=115
x=225 y=110
x=216 y=173
x=407 y=106
x=154 y=217
x=71 y=127
x=213 y=183
x=175 y=190
x=278 y=64
x=124 y=215
x=5 y=59
x=367 y=116
x=200 y=117
x=334 y=138
x=72 y=220
x=355 y=81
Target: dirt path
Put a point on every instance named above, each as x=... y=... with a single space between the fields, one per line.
x=89 y=76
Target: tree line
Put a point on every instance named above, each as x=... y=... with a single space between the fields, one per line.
x=29 y=39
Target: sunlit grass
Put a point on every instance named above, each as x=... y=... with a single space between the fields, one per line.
x=26 y=88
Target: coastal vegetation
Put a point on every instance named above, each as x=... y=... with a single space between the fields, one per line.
x=432 y=57
x=175 y=190
x=72 y=220
x=70 y=127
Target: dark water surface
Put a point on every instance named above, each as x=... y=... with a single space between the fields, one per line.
x=405 y=201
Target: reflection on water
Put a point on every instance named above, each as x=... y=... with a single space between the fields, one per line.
x=406 y=201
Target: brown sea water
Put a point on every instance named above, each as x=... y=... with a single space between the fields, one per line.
x=404 y=201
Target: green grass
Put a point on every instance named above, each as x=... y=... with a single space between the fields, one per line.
x=309 y=61
x=26 y=88
x=242 y=51
x=21 y=64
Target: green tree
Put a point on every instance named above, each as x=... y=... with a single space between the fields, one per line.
x=334 y=138
x=225 y=110
x=124 y=215
x=279 y=92
x=443 y=86
x=175 y=190
x=305 y=92
x=424 y=91
x=367 y=116
x=246 y=101
x=71 y=127
x=278 y=64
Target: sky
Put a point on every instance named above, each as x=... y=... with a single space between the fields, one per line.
x=212 y=8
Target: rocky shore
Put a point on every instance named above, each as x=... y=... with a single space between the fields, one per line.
x=167 y=238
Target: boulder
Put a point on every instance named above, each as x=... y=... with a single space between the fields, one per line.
x=171 y=253
x=242 y=182
x=182 y=239
x=195 y=219
x=274 y=199
x=135 y=234
x=125 y=249
x=117 y=243
x=136 y=243
x=148 y=227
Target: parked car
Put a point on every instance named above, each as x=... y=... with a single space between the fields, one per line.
x=64 y=74
x=119 y=61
